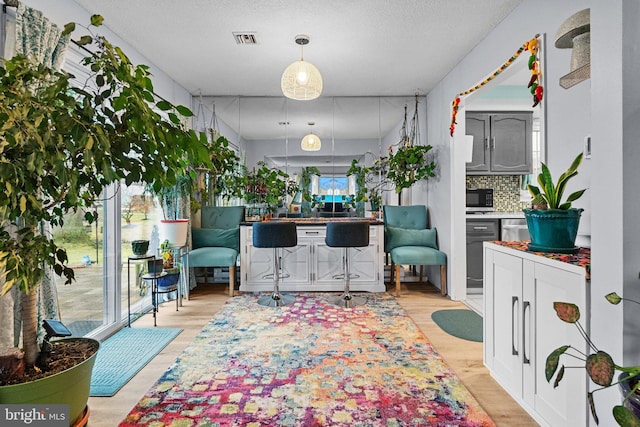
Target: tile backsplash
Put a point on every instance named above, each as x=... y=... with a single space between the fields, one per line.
x=506 y=190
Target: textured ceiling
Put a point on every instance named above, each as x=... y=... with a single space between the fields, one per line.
x=363 y=48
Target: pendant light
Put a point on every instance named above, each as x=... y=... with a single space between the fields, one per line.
x=310 y=142
x=301 y=80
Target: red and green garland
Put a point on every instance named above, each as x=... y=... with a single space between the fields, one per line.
x=535 y=83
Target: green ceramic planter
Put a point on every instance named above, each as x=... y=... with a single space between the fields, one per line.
x=70 y=387
x=553 y=230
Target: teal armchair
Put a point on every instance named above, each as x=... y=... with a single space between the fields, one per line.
x=409 y=241
x=217 y=242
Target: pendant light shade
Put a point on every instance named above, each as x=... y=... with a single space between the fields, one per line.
x=311 y=142
x=301 y=80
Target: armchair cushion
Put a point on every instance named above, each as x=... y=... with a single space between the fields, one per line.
x=417 y=255
x=216 y=237
x=397 y=236
x=213 y=257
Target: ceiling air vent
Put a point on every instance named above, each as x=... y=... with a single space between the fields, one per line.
x=245 y=38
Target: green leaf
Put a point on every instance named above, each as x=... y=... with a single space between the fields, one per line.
x=625 y=417
x=553 y=360
x=84 y=40
x=174 y=118
x=600 y=368
x=613 y=298
x=592 y=406
x=96 y=20
x=69 y=28
x=163 y=105
x=184 y=111
x=567 y=312
x=559 y=377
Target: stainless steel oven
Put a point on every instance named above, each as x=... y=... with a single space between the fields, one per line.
x=479 y=199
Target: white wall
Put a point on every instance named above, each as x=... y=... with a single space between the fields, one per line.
x=567 y=121
x=605 y=106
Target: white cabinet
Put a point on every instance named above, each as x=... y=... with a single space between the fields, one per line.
x=521 y=329
x=312 y=265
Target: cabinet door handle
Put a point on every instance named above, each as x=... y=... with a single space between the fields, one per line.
x=493 y=142
x=311 y=233
x=514 y=351
x=525 y=307
x=480 y=228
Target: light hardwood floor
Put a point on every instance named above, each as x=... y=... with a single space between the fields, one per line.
x=419 y=301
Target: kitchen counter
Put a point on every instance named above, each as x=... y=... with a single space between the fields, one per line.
x=495 y=215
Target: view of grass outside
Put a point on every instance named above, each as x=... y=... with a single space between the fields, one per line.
x=81 y=304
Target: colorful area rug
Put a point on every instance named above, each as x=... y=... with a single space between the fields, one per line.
x=309 y=364
x=465 y=324
x=122 y=355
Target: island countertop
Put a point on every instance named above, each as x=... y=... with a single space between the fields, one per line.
x=322 y=220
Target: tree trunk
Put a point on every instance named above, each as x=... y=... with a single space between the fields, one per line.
x=29 y=327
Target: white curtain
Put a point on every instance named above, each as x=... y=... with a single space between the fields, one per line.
x=30 y=33
x=39 y=39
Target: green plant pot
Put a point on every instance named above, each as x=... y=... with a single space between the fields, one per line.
x=553 y=230
x=140 y=247
x=70 y=387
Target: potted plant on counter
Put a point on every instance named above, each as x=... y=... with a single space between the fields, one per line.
x=60 y=146
x=600 y=367
x=553 y=223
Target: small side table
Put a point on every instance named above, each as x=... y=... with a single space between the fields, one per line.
x=155 y=291
x=133 y=259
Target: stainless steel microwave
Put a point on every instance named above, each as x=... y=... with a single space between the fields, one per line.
x=480 y=199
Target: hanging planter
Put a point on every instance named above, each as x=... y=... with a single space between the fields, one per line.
x=410 y=163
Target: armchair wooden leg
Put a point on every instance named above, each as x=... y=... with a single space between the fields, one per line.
x=421 y=272
x=443 y=280
x=232 y=279
x=397 y=280
x=392 y=270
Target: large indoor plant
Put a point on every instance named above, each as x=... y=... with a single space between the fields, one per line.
x=60 y=146
x=600 y=367
x=553 y=223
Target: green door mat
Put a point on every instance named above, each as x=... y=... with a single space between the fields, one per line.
x=465 y=324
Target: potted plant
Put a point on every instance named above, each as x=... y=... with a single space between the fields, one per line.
x=553 y=223
x=309 y=201
x=268 y=187
x=224 y=179
x=371 y=181
x=60 y=146
x=410 y=164
x=599 y=366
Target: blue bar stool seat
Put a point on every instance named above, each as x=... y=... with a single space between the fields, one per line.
x=347 y=235
x=276 y=235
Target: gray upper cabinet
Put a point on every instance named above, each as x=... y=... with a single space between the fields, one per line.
x=501 y=143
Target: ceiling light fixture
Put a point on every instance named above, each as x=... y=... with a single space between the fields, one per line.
x=310 y=142
x=301 y=80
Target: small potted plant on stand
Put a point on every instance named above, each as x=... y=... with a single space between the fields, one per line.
x=552 y=223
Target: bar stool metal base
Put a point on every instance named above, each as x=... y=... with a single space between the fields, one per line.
x=347 y=300
x=276 y=300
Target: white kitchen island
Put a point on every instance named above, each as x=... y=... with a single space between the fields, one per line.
x=312 y=266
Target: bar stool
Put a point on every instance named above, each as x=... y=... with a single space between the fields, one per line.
x=347 y=235
x=276 y=235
